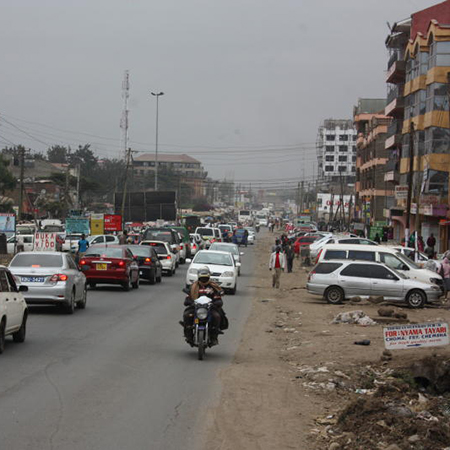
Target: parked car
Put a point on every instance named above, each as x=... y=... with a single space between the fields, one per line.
x=150 y=267
x=340 y=280
x=411 y=254
x=112 y=264
x=303 y=241
x=165 y=235
x=52 y=278
x=165 y=255
x=380 y=253
x=224 y=270
x=230 y=248
x=13 y=309
x=316 y=246
x=28 y=243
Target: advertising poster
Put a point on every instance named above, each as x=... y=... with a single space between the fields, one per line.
x=97 y=224
x=7 y=223
x=78 y=226
x=45 y=242
x=416 y=335
x=112 y=222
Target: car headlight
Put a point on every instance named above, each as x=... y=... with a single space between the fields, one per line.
x=435 y=288
x=202 y=313
x=435 y=280
x=228 y=274
x=193 y=271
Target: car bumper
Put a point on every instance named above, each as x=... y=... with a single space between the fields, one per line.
x=224 y=282
x=315 y=289
x=46 y=294
x=109 y=277
x=167 y=266
x=433 y=296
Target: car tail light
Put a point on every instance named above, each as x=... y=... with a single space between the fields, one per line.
x=121 y=263
x=147 y=261
x=168 y=257
x=58 y=277
x=181 y=246
x=318 y=255
x=194 y=246
x=83 y=262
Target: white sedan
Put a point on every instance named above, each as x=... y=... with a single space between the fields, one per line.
x=251 y=235
x=223 y=268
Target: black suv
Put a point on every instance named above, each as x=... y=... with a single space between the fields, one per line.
x=150 y=267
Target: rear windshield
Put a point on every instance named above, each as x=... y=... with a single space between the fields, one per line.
x=308 y=239
x=158 y=235
x=37 y=260
x=335 y=254
x=225 y=248
x=110 y=252
x=159 y=248
x=326 y=267
x=140 y=250
x=361 y=255
x=205 y=232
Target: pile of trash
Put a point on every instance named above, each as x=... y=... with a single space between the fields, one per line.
x=357 y=317
x=394 y=409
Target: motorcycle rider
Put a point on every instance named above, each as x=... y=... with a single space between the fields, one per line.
x=204 y=286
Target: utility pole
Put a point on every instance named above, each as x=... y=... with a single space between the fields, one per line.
x=410 y=183
x=157 y=95
x=66 y=187
x=298 y=198
x=302 y=198
x=78 y=185
x=124 y=119
x=124 y=193
x=22 y=175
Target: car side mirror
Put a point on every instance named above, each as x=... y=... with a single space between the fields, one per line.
x=188 y=260
x=23 y=288
x=241 y=253
x=238 y=264
x=405 y=267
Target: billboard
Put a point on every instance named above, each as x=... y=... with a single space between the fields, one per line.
x=45 y=242
x=97 y=224
x=7 y=223
x=77 y=226
x=113 y=222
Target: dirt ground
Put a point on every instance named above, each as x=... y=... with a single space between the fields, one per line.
x=300 y=382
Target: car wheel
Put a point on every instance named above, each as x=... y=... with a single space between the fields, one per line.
x=126 y=285
x=159 y=279
x=2 y=335
x=334 y=295
x=239 y=272
x=92 y=285
x=182 y=260
x=19 y=336
x=416 y=299
x=152 y=278
x=70 y=305
x=82 y=303
x=135 y=285
x=233 y=291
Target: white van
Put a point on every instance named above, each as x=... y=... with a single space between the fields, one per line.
x=379 y=253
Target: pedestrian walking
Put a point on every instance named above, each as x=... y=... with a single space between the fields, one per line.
x=289 y=252
x=276 y=264
x=431 y=242
x=445 y=273
x=377 y=238
x=420 y=244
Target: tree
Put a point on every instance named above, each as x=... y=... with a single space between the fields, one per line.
x=7 y=179
x=58 y=154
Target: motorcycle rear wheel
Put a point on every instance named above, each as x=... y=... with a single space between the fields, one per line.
x=201 y=344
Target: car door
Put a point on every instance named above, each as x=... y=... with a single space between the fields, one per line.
x=9 y=298
x=384 y=282
x=354 y=279
x=110 y=239
x=156 y=262
x=133 y=265
x=78 y=277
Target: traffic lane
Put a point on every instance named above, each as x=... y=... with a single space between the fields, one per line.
x=117 y=375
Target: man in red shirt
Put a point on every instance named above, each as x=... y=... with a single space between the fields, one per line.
x=277 y=264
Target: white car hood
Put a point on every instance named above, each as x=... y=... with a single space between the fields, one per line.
x=212 y=267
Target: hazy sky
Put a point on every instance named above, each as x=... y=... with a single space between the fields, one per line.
x=246 y=82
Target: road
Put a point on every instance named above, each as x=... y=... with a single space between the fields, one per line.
x=117 y=375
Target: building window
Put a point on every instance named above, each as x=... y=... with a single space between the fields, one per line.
x=342 y=168
x=343 y=148
x=354 y=158
x=329 y=148
x=329 y=168
x=343 y=137
x=329 y=158
x=437 y=97
x=437 y=140
x=353 y=137
x=354 y=148
x=330 y=137
x=353 y=168
x=343 y=158
x=439 y=54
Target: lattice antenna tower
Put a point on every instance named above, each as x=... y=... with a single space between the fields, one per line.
x=124 y=119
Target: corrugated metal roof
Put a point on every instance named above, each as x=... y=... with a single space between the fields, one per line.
x=167 y=158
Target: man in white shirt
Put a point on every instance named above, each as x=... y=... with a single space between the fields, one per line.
x=277 y=264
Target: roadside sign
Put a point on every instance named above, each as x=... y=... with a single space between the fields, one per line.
x=112 y=222
x=97 y=224
x=77 y=226
x=7 y=223
x=45 y=242
x=401 y=191
x=417 y=335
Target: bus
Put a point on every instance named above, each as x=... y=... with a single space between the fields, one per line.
x=244 y=215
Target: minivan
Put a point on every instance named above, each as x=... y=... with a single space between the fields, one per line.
x=380 y=253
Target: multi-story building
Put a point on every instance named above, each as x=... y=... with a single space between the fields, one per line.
x=336 y=151
x=189 y=169
x=425 y=66
x=373 y=196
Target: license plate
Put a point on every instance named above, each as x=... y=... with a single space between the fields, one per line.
x=216 y=280
x=196 y=321
x=101 y=266
x=32 y=279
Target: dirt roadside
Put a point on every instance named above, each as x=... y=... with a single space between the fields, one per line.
x=295 y=372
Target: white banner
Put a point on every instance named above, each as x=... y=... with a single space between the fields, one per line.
x=45 y=242
x=418 y=335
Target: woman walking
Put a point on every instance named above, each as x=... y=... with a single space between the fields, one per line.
x=445 y=272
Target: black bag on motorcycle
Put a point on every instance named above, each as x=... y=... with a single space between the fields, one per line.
x=224 y=320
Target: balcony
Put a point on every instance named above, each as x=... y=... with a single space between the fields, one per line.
x=394 y=91
x=393 y=141
x=396 y=73
x=392 y=176
x=395 y=107
x=395 y=127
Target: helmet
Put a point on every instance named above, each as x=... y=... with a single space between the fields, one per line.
x=204 y=274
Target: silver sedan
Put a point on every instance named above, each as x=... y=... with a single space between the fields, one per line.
x=52 y=278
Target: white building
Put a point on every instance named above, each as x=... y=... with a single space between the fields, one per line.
x=336 y=151
x=328 y=204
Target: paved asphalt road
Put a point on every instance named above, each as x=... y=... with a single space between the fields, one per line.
x=117 y=375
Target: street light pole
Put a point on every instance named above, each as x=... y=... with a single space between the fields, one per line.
x=156 y=145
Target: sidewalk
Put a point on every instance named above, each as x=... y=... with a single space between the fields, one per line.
x=294 y=371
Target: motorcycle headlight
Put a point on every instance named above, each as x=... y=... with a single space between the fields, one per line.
x=193 y=271
x=202 y=313
x=228 y=274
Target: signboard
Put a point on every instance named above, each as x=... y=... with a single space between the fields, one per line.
x=401 y=191
x=7 y=223
x=45 y=242
x=112 y=222
x=418 y=335
x=77 y=226
x=97 y=224
x=358 y=226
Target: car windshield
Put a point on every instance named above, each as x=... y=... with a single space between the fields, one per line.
x=37 y=260
x=159 y=247
x=225 y=248
x=205 y=232
x=73 y=237
x=399 y=274
x=407 y=261
x=108 y=252
x=216 y=259
x=158 y=235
